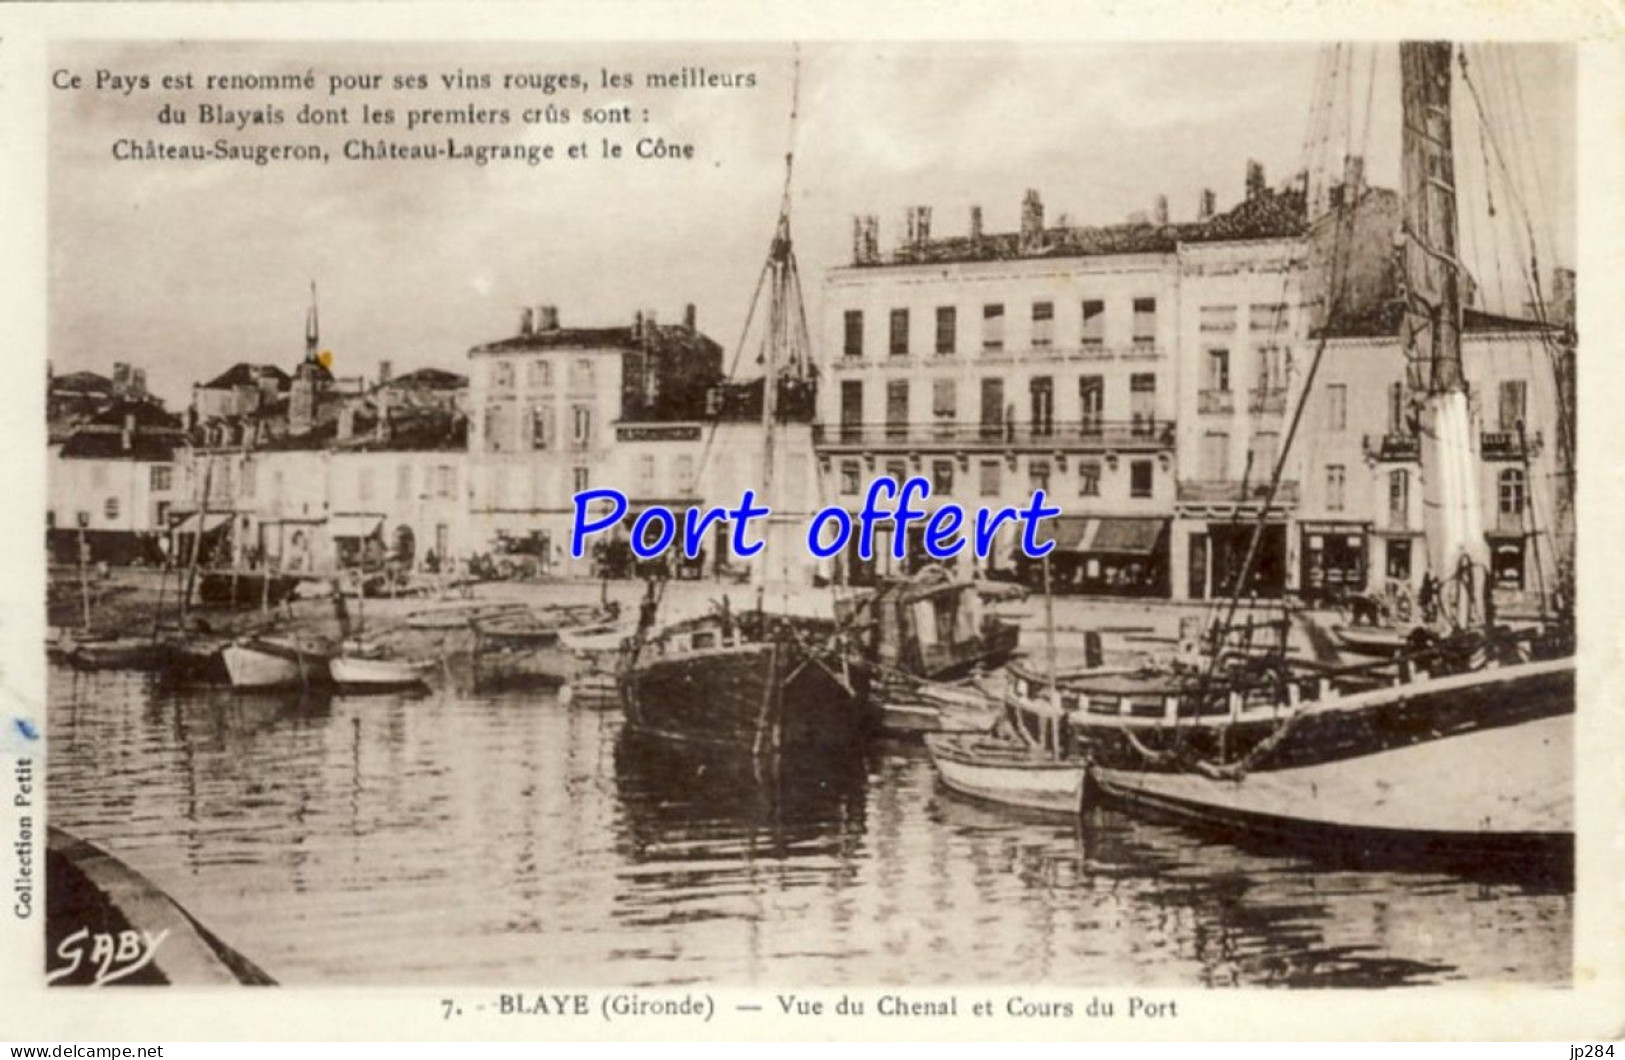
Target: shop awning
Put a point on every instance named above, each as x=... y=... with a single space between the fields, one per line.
x=354 y=525
x=190 y=524
x=1068 y=530
x=1136 y=537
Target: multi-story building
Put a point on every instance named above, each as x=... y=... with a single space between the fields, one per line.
x=1060 y=358
x=112 y=484
x=1361 y=524
x=552 y=407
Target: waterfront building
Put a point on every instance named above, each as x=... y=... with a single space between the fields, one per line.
x=112 y=484
x=556 y=410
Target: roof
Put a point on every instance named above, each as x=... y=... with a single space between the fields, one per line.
x=1384 y=321
x=429 y=379
x=244 y=374
x=412 y=430
x=1271 y=214
x=87 y=382
x=107 y=443
x=657 y=337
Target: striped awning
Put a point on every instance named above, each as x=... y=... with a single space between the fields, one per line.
x=190 y=524
x=1108 y=534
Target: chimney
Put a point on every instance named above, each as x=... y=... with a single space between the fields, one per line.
x=381 y=428
x=1159 y=211
x=385 y=373
x=1032 y=220
x=1353 y=177
x=918 y=222
x=121 y=379
x=976 y=222
x=871 y=239
x=691 y=317
x=857 y=239
x=1255 y=179
x=527 y=322
x=547 y=318
x=1208 y=205
x=138 y=383
x=637 y=325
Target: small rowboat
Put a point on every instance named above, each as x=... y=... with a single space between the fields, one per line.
x=1008 y=771
x=358 y=674
x=605 y=637
x=1374 y=640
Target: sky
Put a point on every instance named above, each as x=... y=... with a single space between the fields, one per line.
x=188 y=268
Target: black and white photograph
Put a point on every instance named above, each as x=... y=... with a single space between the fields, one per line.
x=1096 y=518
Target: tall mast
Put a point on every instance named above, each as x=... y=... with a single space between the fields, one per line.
x=1431 y=332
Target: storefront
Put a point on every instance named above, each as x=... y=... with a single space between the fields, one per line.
x=1216 y=559
x=1333 y=560
x=1507 y=560
x=1105 y=556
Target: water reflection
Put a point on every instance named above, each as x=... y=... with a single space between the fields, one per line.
x=459 y=837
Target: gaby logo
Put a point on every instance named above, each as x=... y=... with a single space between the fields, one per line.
x=110 y=956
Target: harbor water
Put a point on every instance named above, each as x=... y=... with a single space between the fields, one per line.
x=513 y=839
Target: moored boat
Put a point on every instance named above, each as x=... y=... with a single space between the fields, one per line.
x=267 y=662
x=1007 y=771
x=355 y=673
x=117 y=653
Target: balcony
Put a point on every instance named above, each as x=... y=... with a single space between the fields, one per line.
x=1090 y=435
x=1392 y=448
x=1230 y=491
x=1508 y=445
x=1215 y=401
x=1266 y=400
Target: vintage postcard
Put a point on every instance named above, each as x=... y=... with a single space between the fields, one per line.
x=528 y=524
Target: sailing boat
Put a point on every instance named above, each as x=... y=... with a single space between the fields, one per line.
x=1458 y=745
x=781 y=676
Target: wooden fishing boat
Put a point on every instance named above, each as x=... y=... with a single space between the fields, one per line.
x=458 y=614
x=930 y=706
x=117 y=653
x=1381 y=640
x=246 y=589
x=996 y=768
x=603 y=638
x=357 y=673
x=275 y=662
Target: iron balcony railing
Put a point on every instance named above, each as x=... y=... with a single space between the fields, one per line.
x=1221 y=401
x=1508 y=445
x=1392 y=447
x=1145 y=434
x=1230 y=491
x=1266 y=399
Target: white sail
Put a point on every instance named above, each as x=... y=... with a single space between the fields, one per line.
x=1458 y=554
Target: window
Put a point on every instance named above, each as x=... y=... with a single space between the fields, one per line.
x=993 y=327
x=1218 y=318
x=897 y=408
x=1041 y=392
x=1145 y=321
x=1514 y=398
x=1267 y=317
x=1043 y=325
x=646 y=473
x=1215 y=456
x=942 y=477
x=403 y=482
x=1262 y=454
x=1088 y=478
x=1038 y=475
x=1271 y=369
x=581 y=479
x=163 y=478
x=581 y=373
x=1511 y=490
x=851 y=409
x=1218 y=369
x=160 y=515
x=683 y=473
x=992 y=407
x=854 y=333
x=496 y=428
x=851 y=477
x=541 y=373
x=1396 y=408
x=502 y=375
x=541 y=428
x=1399 y=498
x=1094 y=323
x=1337 y=406
x=250 y=475
x=581 y=426
x=944 y=405
x=1142 y=402
x=446 y=481
x=364 y=484
x=110 y=509
x=1335 y=476
x=1091 y=402
x=899 y=333
x=947 y=329
x=989 y=475
x=897 y=471
x=1139 y=478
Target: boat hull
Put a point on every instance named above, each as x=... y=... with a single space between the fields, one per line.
x=760 y=697
x=353 y=674
x=261 y=665
x=1490 y=793
x=1007 y=772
